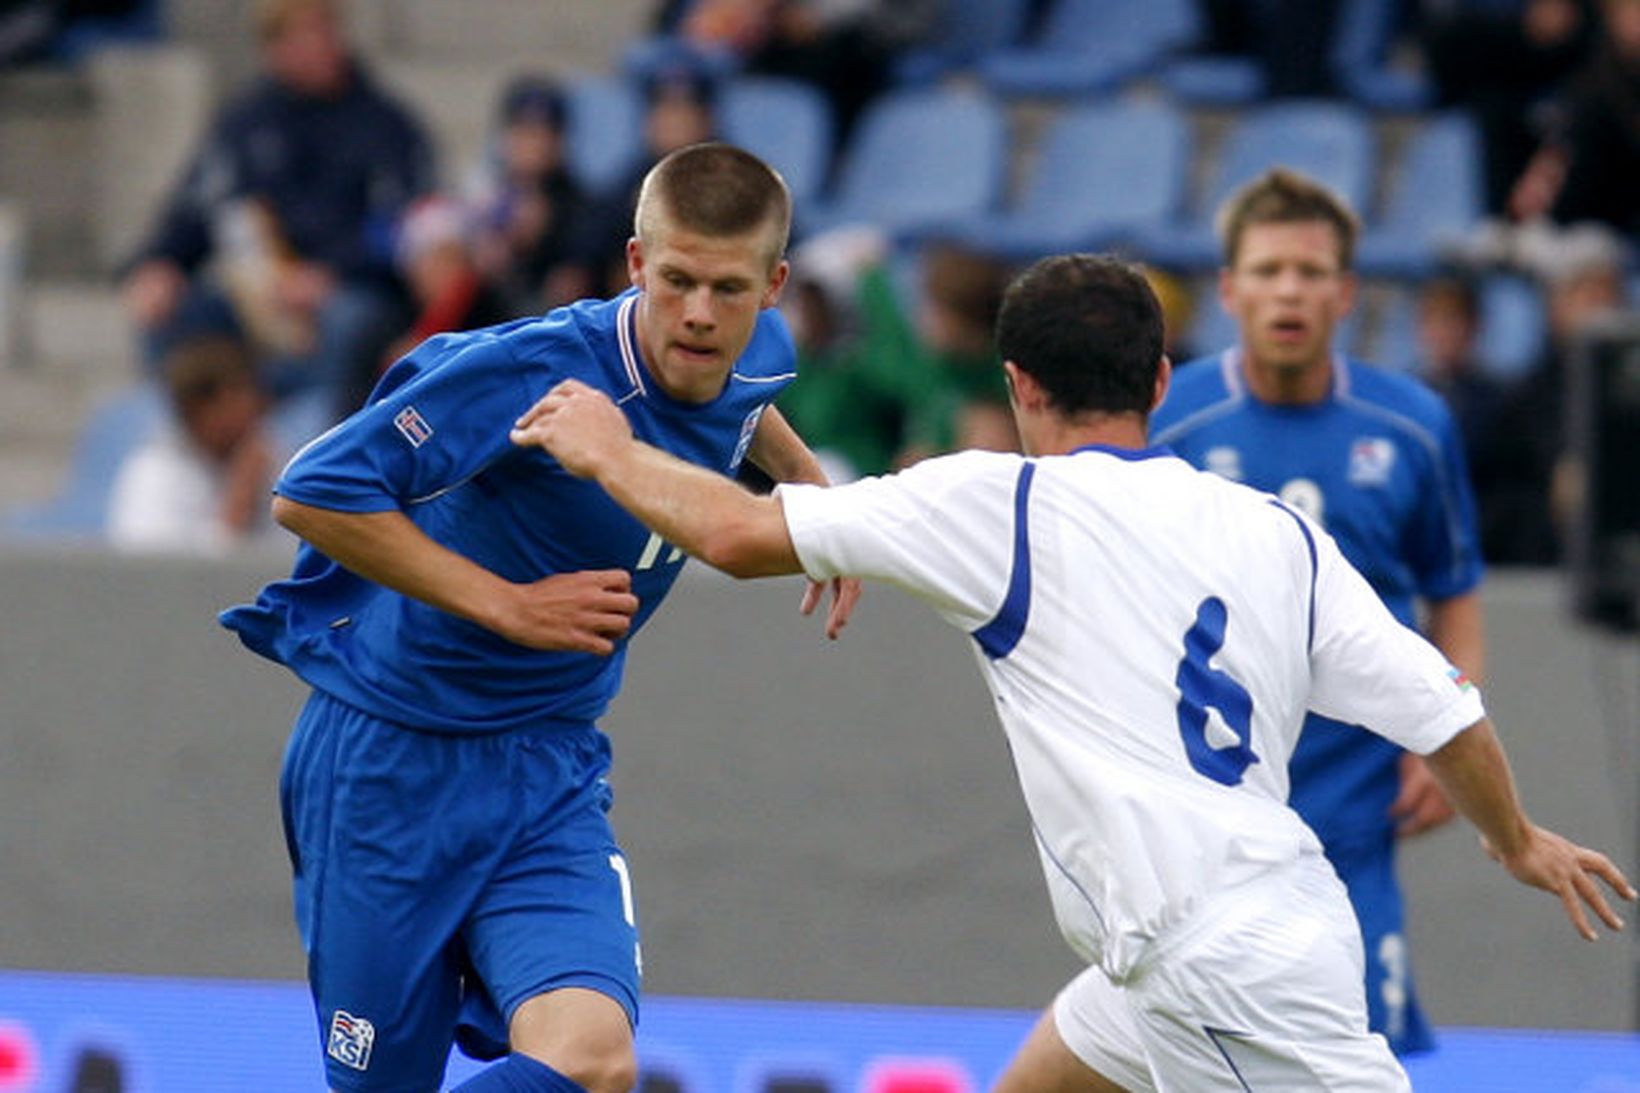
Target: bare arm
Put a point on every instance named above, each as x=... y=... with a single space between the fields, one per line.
x=781 y=453
x=1455 y=626
x=1475 y=774
x=581 y=611
x=707 y=515
x=783 y=456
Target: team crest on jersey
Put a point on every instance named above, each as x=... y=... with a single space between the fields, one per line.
x=1224 y=461
x=1372 y=458
x=413 y=426
x=351 y=1039
x=748 y=429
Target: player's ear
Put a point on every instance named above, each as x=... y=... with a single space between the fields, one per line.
x=634 y=262
x=782 y=273
x=1023 y=389
x=1348 y=284
x=1164 y=380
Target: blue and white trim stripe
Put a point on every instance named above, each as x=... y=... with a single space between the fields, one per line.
x=999 y=636
x=626 y=335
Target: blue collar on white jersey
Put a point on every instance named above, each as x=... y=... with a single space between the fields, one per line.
x=1132 y=455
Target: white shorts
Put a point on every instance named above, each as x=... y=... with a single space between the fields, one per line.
x=1260 y=991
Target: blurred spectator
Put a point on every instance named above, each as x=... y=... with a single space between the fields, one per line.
x=1589 y=166
x=1501 y=64
x=968 y=404
x=294 y=193
x=680 y=104
x=860 y=369
x=436 y=258
x=33 y=30
x=881 y=385
x=531 y=214
x=845 y=48
x=201 y=485
x=1178 y=307
x=1448 y=327
x=1581 y=269
x=1293 y=45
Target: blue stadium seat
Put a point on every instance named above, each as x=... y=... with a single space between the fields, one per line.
x=967 y=31
x=604 y=136
x=919 y=161
x=1103 y=171
x=1514 y=325
x=1363 y=38
x=79 y=510
x=1090 y=47
x=1205 y=80
x=788 y=123
x=1329 y=141
x=1435 y=198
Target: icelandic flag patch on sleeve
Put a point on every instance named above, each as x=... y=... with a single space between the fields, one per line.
x=413 y=426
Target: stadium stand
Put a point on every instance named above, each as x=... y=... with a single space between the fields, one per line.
x=922 y=160
x=1090 y=47
x=1329 y=140
x=1082 y=191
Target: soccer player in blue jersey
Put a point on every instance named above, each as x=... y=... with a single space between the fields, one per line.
x=461 y=608
x=1376 y=458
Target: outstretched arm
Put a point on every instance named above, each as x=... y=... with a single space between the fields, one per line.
x=1456 y=626
x=1473 y=770
x=709 y=516
x=580 y=612
x=783 y=456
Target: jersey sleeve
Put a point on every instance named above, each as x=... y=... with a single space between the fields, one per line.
x=900 y=529
x=445 y=415
x=1442 y=540
x=1366 y=668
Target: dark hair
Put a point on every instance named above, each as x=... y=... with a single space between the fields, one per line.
x=679 y=79
x=1455 y=288
x=200 y=368
x=1088 y=328
x=966 y=282
x=716 y=190
x=1282 y=196
x=536 y=99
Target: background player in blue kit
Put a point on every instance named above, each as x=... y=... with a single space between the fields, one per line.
x=461 y=608
x=1376 y=458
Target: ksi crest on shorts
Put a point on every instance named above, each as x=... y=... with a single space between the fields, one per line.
x=351 y=1039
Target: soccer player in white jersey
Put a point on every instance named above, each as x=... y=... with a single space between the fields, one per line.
x=1152 y=636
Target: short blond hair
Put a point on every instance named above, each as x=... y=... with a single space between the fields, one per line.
x=718 y=190
x=1283 y=196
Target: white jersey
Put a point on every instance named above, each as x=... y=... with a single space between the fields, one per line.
x=1152 y=636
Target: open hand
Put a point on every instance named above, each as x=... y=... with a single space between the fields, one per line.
x=576 y=424
x=1558 y=865
x=845 y=593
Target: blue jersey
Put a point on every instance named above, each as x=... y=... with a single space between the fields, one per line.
x=1380 y=464
x=433 y=443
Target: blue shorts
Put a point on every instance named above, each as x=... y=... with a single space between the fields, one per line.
x=1367 y=868
x=442 y=880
